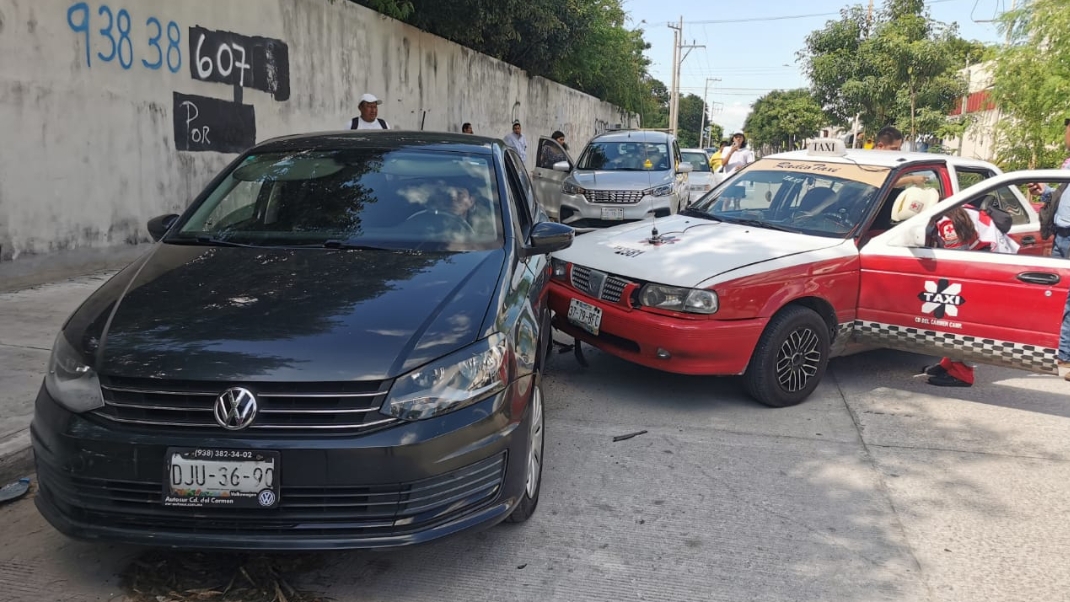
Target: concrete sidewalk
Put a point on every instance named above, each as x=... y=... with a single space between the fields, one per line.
x=29 y=321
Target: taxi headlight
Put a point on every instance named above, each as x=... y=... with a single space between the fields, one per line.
x=675 y=298
x=70 y=381
x=665 y=190
x=456 y=381
x=570 y=188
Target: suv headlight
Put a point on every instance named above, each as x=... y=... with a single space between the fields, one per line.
x=570 y=188
x=675 y=298
x=664 y=190
x=71 y=382
x=451 y=383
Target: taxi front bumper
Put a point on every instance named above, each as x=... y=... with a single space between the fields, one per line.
x=700 y=346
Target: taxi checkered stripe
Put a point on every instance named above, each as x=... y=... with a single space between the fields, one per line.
x=1025 y=357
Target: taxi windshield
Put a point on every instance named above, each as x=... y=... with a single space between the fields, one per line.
x=797 y=196
x=626 y=156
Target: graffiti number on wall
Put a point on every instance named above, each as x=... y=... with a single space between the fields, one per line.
x=244 y=61
x=114 y=33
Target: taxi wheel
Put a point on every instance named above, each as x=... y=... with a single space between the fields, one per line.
x=790 y=359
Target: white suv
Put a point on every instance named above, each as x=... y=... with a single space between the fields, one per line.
x=621 y=176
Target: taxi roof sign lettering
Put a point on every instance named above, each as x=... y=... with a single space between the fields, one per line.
x=826 y=147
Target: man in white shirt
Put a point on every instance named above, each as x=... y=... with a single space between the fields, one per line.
x=369 y=115
x=517 y=141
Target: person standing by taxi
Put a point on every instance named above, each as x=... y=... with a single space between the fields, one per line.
x=737 y=155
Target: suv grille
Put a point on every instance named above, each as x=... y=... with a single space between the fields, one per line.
x=343 y=407
x=614 y=197
x=353 y=511
x=589 y=281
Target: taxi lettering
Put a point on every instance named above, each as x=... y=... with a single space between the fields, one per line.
x=808 y=166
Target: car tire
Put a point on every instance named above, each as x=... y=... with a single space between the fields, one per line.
x=529 y=500
x=790 y=358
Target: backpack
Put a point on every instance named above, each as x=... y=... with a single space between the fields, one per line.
x=1047 y=213
x=353 y=124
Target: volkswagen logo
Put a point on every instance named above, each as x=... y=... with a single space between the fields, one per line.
x=235 y=408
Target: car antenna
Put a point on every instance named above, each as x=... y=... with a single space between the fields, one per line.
x=655 y=237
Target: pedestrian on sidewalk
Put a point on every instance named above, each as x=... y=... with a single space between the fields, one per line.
x=466 y=128
x=517 y=141
x=369 y=115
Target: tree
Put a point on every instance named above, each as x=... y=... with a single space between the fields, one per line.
x=1031 y=82
x=582 y=44
x=716 y=134
x=692 y=109
x=783 y=119
x=900 y=68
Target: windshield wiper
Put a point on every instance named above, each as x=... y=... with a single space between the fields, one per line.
x=335 y=243
x=700 y=214
x=757 y=223
x=210 y=241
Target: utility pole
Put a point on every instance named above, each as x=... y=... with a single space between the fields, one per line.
x=705 y=94
x=678 y=59
x=675 y=56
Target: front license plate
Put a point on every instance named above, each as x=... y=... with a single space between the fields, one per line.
x=234 y=478
x=585 y=315
x=613 y=213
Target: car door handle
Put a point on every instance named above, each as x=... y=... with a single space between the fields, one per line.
x=1039 y=277
x=1029 y=240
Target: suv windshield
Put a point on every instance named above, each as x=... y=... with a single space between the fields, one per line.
x=626 y=156
x=804 y=197
x=697 y=160
x=403 y=199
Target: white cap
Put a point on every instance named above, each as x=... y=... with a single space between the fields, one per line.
x=370 y=98
x=738 y=133
x=913 y=201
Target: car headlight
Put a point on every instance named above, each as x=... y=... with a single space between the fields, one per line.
x=70 y=381
x=570 y=188
x=559 y=267
x=451 y=383
x=675 y=298
x=665 y=190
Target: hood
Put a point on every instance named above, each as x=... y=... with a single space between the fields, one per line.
x=620 y=180
x=700 y=177
x=239 y=314
x=693 y=249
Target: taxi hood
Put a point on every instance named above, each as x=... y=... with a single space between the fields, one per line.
x=692 y=250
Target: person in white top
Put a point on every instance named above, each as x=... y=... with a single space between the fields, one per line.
x=369 y=115
x=732 y=159
x=517 y=141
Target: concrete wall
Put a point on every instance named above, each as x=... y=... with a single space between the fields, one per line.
x=96 y=142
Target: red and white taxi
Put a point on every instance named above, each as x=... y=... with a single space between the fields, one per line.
x=796 y=259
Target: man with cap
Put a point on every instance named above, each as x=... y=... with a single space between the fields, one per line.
x=369 y=115
x=517 y=141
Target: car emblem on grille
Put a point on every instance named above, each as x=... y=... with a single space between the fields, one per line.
x=596 y=283
x=235 y=408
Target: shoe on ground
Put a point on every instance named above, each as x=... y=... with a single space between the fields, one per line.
x=1064 y=368
x=933 y=370
x=946 y=380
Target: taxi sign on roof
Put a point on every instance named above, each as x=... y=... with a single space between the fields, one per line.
x=826 y=147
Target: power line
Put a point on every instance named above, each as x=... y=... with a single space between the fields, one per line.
x=781 y=17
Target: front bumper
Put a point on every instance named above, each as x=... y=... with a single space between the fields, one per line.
x=702 y=345
x=404 y=485
x=580 y=213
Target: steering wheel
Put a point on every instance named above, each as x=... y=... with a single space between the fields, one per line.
x=445 y=218
x=837 y=218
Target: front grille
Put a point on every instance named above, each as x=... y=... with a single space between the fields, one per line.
x=587 y=280
x=380 y=510
x=343 y=407
x=614 y=197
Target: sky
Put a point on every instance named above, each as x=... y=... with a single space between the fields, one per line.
x=754 y=57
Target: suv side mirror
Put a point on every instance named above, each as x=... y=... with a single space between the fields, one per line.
x=547 y=237
x=684 y=168
x=562 y=166
x=158 y=226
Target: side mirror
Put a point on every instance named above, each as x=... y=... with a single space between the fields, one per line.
x=562 y=166
x=685 y=168
x=547 y=237
x=158 y=226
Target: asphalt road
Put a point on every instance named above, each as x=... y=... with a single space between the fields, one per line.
x=880 y=487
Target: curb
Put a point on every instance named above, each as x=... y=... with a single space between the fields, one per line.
x=16 y=457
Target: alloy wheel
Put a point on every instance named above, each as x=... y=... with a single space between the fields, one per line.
x=798 y=359
x=535 y=443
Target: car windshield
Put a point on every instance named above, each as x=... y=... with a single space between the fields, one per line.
x=626 y=156
x=698 y=161
x=798 y=196
x=402 y=199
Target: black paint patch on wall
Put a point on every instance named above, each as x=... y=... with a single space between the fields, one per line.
x=210 y=124
x=247 y=61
